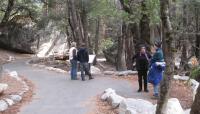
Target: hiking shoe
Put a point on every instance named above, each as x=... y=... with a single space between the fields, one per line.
x=139 y=90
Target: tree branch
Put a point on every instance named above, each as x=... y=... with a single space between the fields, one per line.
x=125 y=7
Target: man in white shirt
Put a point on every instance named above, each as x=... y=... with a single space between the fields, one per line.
x=73 y=60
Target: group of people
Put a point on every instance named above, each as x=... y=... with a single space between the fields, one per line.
x=150 y=68
x=82 y=56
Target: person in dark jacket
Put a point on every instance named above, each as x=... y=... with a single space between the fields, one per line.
x=142 y=65
x=83 y=58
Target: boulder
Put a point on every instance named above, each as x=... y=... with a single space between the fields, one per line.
x=115 y=100
x=3 y=105
x=3 y=87
x=187 y=111
x=109 y=72
x=184 y=78
x=126 y=73
x=107 y=93
x=19 y=38
x=173 y=107
x=14 y=74
x=136 y=106
x=9 y=101
x=95 y=70
x=15 y=98
x=194 y=85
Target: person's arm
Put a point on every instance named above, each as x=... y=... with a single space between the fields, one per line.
x=78 y=55
x=133 y=58
x=87 y=56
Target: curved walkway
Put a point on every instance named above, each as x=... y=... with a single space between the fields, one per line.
x=57 y=94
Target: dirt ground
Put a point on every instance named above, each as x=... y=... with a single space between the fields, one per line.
x=178 y=90
x=15 y=86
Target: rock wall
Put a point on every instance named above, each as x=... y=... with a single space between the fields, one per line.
x=18 y=37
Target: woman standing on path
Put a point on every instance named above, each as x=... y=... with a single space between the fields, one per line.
x=142 y=65
x=157 y=67
x=73 y=61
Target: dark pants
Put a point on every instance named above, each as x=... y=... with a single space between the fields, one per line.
x=85 y=70
x=142 y=75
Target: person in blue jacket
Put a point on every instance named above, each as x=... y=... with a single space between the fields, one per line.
x=157 y=66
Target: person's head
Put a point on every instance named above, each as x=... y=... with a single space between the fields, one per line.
x=142 y=49
x=73 y=44
x=158 y=44
x=83 y=45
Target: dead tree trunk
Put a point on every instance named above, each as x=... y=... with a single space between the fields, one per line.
x=196 y=104
x=169 y=57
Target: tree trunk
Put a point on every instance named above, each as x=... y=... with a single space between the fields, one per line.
x=144 y=27
x=196 y=104
x=121 y=59
x=8 y=11
x=197 y=51
x=169 y=56
x=97 y=36
x=129 y=46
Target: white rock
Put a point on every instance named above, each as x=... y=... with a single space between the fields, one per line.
x=9 y=101
x=187 y=111
x=3 y=87
x=125 y=73
x=136 y=106
x=16 y=98
x=184 y=78
x=3 y=105
x=107 y=93
x=173 y=107
x=109 y=90
x=14 y=74
x=194 y=85
x=115 y=100
x=95 y=70
x=109 y=72
x=176 y=77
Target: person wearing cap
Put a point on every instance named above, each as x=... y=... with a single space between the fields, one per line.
x=142 y=65
x=73 y=61
x=157 y=66
x=83 y=58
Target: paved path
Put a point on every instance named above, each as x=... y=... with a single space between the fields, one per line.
x=57 y=94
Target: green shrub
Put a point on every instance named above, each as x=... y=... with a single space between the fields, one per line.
x=195 y=73
x=106 y=43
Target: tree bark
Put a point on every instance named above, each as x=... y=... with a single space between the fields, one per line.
x=97 y=36
x=144 y=27
x=197 y=51
x=169 y=56
x=196 y=104
x=8 y=11
x=121 y=59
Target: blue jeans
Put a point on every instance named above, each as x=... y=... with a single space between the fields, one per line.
x=73 y=69
x=156 y=89
x=85 y=70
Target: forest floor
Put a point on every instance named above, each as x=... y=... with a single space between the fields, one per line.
x=125 y=86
